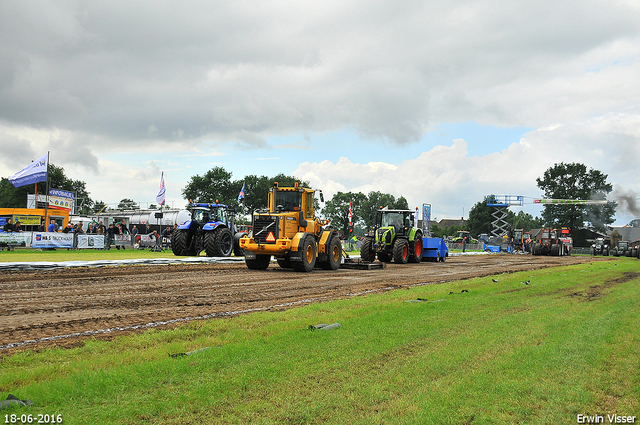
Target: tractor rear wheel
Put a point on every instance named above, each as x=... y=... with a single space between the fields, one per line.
x=400 y=251
x=416 y=249
x=261 y=262
x=334 y=255
x=366 y=250
x=308 y=255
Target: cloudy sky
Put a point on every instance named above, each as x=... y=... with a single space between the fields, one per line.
x=438 y=101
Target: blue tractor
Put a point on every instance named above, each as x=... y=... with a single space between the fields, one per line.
x=211 y=228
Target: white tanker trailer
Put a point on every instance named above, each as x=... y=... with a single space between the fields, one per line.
x=156 y=219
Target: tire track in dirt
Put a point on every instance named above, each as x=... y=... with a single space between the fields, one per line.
x=47 y=304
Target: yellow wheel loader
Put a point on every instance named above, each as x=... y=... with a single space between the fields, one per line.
x=290 y=231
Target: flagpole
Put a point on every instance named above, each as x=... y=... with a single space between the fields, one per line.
x=46 y=206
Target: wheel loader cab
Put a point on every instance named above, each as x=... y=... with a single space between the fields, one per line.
x=298 y=205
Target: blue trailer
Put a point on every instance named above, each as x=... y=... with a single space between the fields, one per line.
x=434 y=249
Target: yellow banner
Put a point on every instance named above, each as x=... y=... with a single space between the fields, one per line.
x=29 y=220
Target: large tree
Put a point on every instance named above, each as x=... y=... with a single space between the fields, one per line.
x=337 y=210
x=377 y=200
x=574 y=181
x=256 y=189
x=216 y=185
x=526 y=221
x=213 y=185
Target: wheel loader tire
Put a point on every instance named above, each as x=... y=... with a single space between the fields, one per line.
x=334 y=254
x=179 y=244
x=237 y=251
x=384 y=257
x=260 y=263
x=308 y=255
x=415 y=254
x=400 y=251
x=366 y=250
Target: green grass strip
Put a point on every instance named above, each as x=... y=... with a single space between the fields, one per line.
x=501 y=353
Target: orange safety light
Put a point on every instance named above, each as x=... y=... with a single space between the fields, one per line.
x=295 y=184
x=275 y=184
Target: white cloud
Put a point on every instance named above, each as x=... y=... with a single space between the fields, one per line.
x=108 y=92
x=450 y=180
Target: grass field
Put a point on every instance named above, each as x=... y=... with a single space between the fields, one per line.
x=476 y=352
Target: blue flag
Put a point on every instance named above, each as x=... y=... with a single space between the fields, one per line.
x=241 y=194
x=32 y=173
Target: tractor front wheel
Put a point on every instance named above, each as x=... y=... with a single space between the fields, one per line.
x=416 y=251
x=179 y=242
x=367 y=253
x=400 y=251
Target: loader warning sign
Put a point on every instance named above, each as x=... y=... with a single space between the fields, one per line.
x=270 y=237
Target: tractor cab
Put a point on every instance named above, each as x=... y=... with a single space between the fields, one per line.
x=399 y=220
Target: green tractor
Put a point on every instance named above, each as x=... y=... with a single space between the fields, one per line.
x=464 y=235
x=393 y=237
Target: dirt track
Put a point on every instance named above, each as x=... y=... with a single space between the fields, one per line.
x=54 y=303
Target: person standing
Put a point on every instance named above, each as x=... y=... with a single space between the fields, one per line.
x=109 y=238
x=8 y=228
x=116 y=231
x=134 y=231
x=52 y=226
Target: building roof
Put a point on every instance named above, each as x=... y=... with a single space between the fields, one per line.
x=628 y=233
x=448 y=222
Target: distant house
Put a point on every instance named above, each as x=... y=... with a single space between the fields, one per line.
x=627 y=233
x=448 y=222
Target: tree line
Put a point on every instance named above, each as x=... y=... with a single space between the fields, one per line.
x=562 y=181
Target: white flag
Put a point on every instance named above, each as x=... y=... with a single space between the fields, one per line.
x=161 y=192
x=32 y=173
